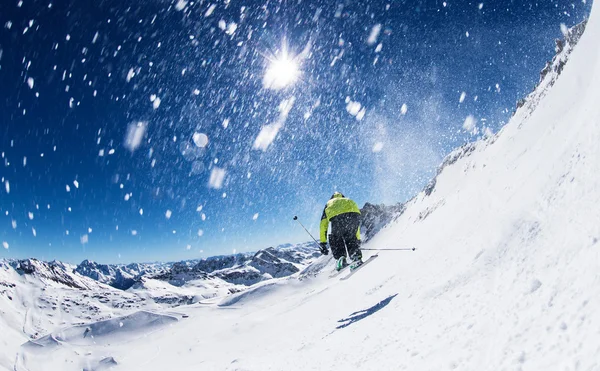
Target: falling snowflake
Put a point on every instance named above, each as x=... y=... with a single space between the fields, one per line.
x=181 y=4
x=470 y=125
x=135 y=134
x=404 y=109
x=217 y=176
x=200 y=139
x=210 y=10
x=372 y=39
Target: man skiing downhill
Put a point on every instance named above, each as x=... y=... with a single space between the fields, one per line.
x=344 y=215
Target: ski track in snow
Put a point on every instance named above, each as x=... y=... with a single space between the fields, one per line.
x=505 y=275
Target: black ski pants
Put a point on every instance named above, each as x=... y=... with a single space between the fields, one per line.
x=344 y=228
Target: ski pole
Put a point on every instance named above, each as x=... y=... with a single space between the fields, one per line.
x=403 y=249
x=296 y=219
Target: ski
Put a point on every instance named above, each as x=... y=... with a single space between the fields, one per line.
x=336 y=273
x=352 y=271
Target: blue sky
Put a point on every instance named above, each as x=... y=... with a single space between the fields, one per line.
x=78 y=75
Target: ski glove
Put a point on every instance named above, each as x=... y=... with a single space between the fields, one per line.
x=323 y=247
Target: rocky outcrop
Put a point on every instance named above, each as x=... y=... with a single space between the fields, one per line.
x=552 y=70
x=375 y=217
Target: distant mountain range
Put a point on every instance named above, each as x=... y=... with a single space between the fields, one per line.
x=239 y=269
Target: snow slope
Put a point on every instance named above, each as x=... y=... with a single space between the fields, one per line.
x=39 y=298
x=506 y=275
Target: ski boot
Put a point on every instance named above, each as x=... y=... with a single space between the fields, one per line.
x=356 y=260
x=341 y=263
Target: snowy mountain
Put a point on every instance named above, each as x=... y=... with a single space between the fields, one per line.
x=37 y=297
x=118 y=276
x=505 y=275
x=244 y=268
x=54 y=271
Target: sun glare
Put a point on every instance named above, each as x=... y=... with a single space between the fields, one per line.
x=282 y=72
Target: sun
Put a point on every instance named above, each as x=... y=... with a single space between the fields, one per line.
x=282 y=71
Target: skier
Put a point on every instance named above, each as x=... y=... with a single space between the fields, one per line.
x=344 y=215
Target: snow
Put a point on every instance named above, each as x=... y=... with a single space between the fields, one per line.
x=269 y=132
x=463 y=95
x=353 y=108
x=7 y=186
x=404 y=109
x=231 y=28
x=130 y=74
x=470 y=124
x=374 y=34
x=266 y=136
x=155 y=101
x=30 y=82
x=217 y=176
x=168 y=214
x=377 y=147
x=505 y=274
x=5 y=245
x=210 y=10
x=135 y=134
x=200 y=140
x=180 y=5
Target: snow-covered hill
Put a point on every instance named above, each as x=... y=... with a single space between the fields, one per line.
x=37 y=298
x=505 y=276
